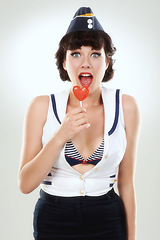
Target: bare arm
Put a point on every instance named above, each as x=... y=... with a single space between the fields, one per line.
x=127 y=166
x=36 y=161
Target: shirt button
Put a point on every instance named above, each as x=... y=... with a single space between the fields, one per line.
x=81 y=191
x=106 y=156
x=81 y=177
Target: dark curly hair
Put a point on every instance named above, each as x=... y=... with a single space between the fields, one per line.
x=95 y=39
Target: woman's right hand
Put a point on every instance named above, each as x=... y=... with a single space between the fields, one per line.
x=74 y=122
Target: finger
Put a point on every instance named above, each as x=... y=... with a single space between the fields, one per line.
x=77 y=110
x=81 y=121
x=78 y=116
x=84 y=126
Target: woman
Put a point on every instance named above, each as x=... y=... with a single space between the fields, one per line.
x=78 y=153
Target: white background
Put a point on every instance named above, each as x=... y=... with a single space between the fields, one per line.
x=29 y=35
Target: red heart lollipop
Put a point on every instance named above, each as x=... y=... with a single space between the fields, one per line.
x=80 y=93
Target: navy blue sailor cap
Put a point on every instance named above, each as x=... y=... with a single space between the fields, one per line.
x=84 y=20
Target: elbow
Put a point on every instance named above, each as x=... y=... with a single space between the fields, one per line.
x=24 y=190
x=23 y=186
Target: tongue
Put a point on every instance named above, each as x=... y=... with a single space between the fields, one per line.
x=86 y=81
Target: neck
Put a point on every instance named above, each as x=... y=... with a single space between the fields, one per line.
x=93 y=99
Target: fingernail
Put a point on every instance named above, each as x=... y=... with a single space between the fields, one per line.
x=88 y=125
x=84 y=109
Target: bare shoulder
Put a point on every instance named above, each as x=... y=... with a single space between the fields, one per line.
x=131 y=110
x=40 y=102
x=38 y=108
x=129 y=105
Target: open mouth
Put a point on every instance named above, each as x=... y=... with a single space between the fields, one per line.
x=85 y=79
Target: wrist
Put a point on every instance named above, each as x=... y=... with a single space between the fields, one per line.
x=60 y=139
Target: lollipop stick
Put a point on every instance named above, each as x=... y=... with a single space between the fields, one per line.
x=80 y=103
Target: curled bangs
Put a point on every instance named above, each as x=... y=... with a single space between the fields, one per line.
x=78 y=39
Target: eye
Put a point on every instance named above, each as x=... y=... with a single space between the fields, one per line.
x=96 y=54
x=75 y=54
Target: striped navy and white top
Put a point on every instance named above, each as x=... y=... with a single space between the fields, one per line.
x=73 y=157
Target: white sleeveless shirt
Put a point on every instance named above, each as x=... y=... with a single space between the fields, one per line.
x=63 y=180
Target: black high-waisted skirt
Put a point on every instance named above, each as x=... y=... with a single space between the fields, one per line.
x=79 y=218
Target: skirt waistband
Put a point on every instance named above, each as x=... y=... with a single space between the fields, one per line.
x=77 y=199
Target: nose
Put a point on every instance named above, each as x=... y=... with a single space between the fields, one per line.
x=85 y=63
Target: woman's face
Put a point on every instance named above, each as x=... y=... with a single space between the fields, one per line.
x=86 y=67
